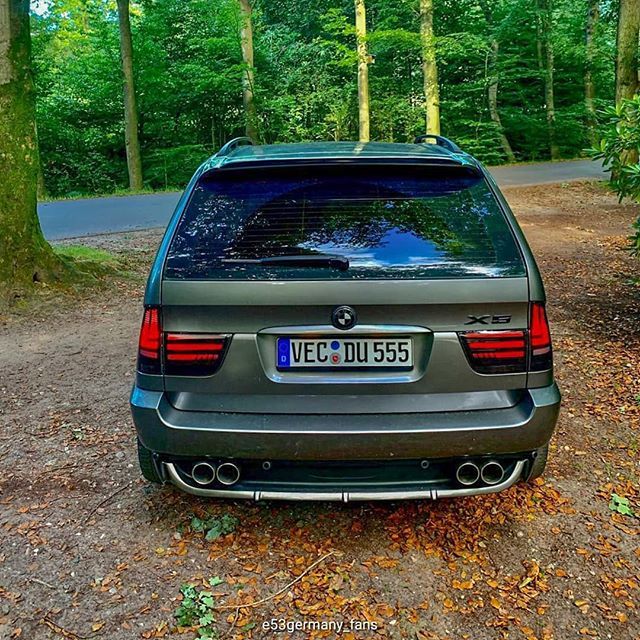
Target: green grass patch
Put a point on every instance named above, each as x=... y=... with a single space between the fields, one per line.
x=89 y=264
x=82 y=254
x=116 y=193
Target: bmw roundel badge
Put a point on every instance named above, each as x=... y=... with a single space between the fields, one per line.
x=344 y=317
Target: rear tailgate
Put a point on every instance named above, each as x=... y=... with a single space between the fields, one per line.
x=430 y=255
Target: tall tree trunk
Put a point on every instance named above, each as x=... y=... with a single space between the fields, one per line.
x=248 y=98
x=545 y=61
x=25 y=256
x=492 y=99
x=627 y=56
x=493 y=80
x=429 y=68
x=132 y=142
x=593 y=15
x=363 y=71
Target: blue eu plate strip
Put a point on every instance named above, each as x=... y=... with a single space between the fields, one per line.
x=284 y=351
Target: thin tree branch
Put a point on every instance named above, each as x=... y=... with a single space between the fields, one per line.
x=256 y=603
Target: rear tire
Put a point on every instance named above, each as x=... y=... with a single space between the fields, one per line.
x=539 y=463
x=148 y=464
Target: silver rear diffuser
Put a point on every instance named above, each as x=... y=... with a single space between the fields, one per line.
x=344 y=496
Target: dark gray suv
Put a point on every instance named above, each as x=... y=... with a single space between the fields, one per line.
x=344 y=321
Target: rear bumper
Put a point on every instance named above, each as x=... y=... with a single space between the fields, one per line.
x=170 y=432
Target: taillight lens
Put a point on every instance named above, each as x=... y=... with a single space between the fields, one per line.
x=192 y=354
x=150 y=343
x=185 y=354
x=540 y=338
x=496 y=351
x=507 y=351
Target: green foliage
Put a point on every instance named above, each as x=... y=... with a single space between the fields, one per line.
x=197 y=609
x=619 y=149
x=620 y=144
x=173 y=167
x=620 y=505
x=215 y=527
x=188 y=70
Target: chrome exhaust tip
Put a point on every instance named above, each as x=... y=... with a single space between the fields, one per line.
x=468 y=473
x=492 y=472
x=203 y=473
x=228 y=473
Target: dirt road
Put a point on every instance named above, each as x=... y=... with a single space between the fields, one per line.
x=88 y=550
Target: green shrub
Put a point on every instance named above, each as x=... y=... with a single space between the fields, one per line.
x=619 y=149
x=173 y=167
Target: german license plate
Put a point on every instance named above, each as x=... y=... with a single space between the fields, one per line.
x=344 y=353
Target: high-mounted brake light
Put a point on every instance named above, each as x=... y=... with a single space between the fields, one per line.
x=150 y=343
x=496 y=351
x=540 y=338
x=193 y=354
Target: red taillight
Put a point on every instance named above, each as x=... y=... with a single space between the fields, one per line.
x=150 y=343
x=508 y=351
x=540 y=338
x=496 y=351
x=192 y=354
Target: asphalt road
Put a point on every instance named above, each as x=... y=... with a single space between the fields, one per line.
x=65 y=219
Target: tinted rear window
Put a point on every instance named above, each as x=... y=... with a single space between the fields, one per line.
x=389 y=222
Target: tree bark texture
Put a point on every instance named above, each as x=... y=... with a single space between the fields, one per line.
x=429 y=68
x=248 y=75
x=363 y=72
x=627 y=52
x=25 y=256
x=132 y=142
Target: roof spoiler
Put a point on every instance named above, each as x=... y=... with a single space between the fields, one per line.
x=441 y=141
x=232 y=145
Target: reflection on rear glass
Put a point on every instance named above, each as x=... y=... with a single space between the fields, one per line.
x=390 y=222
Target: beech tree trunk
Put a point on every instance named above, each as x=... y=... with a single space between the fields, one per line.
x=493 y=80
x=593 y=15
x=492 y=99
x=363 y=71
x=132 y=142
x=545 y=61
x=627 y=55
x=248 y=97
x=25 y=256
x=429 y=68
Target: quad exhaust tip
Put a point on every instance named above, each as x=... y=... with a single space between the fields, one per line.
x=203 y=473
x=468 y=473
x=492 y=472
x=228 y=473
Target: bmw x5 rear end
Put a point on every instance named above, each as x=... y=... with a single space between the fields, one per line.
x=342 y=321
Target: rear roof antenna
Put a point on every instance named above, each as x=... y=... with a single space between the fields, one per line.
x=232 y=145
